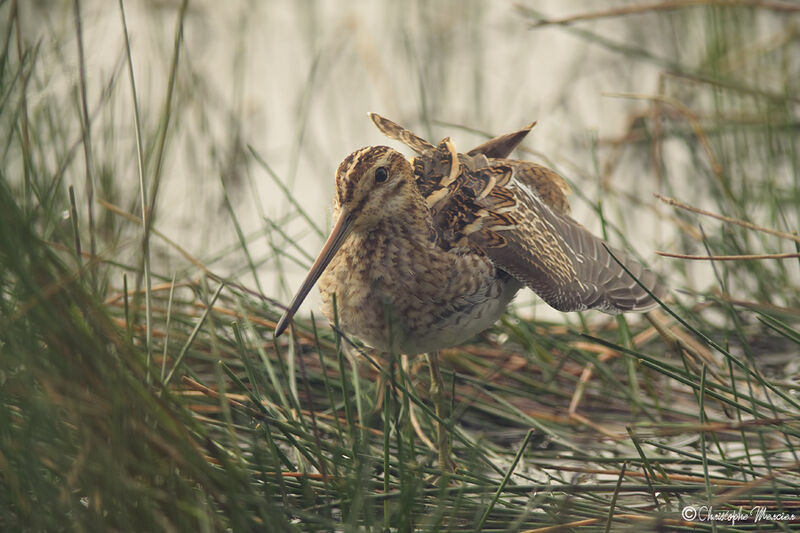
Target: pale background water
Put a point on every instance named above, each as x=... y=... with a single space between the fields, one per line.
x=295 y=80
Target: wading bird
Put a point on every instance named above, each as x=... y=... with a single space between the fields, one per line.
x=426 y=253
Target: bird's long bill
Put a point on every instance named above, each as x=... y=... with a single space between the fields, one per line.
x=338 y=235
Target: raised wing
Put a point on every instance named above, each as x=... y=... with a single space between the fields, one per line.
x=517 y=214
x=496 y=148
x=568 y=267
x=547 y=185
x=399 y=133
x=501 y=146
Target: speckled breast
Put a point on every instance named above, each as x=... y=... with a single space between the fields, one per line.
x=410 y=297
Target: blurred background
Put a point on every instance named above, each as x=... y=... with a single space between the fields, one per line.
x=629 y=103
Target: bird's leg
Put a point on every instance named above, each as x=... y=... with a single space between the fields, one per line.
x=380 y=386
x=442 y=435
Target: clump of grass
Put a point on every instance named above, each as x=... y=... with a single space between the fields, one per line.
x=161 y=401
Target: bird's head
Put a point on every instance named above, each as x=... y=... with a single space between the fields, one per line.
x=372 y=184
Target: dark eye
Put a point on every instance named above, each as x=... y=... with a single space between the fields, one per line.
x=381 y=175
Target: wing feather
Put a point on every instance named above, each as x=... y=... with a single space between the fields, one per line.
x=568 y=267
x=548 y=185
x=399 y=133
x=517 y=214
x=501 y=146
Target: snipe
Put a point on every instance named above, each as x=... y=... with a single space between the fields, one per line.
x=426 y=253
x=445 y=241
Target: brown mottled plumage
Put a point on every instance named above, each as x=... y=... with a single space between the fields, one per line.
x=427 y=253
